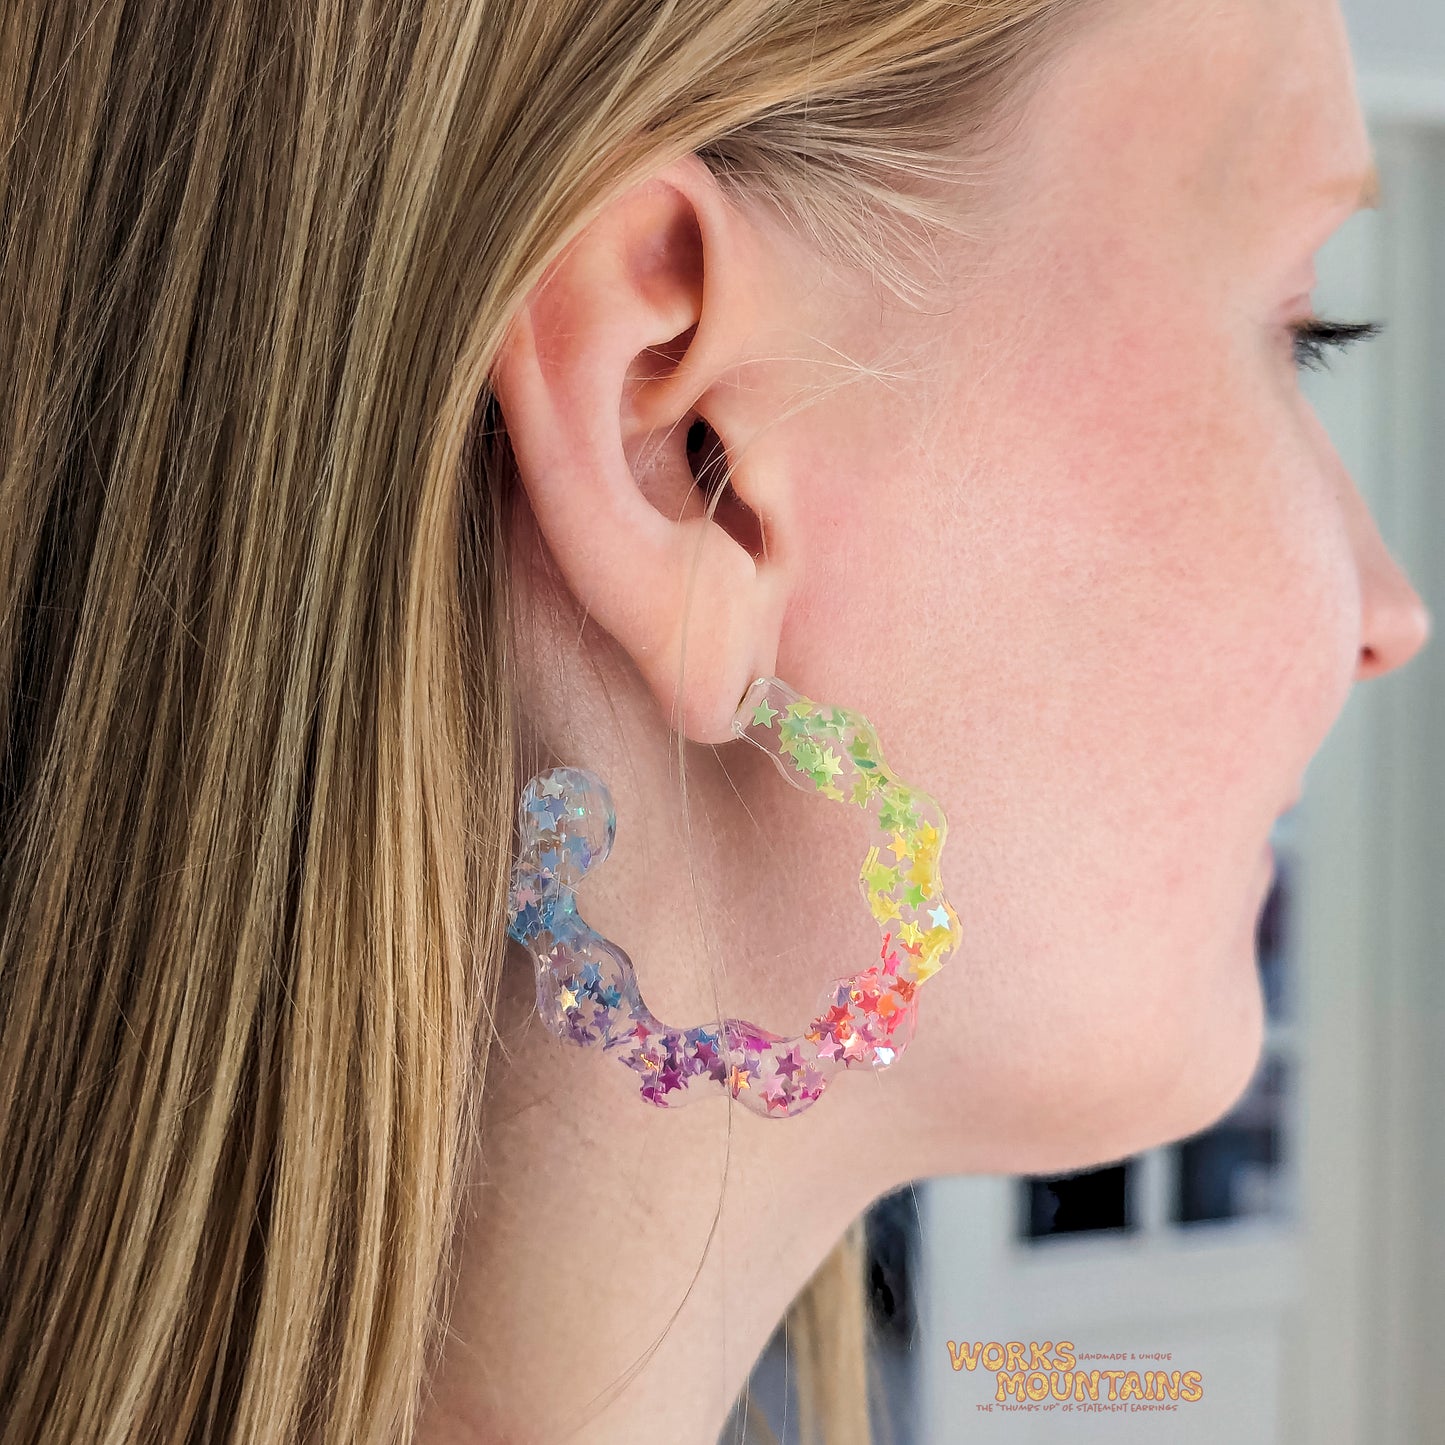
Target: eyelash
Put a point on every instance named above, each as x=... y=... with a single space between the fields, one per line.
x=1317 y=336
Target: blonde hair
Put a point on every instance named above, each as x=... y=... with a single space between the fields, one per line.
x=257 y=746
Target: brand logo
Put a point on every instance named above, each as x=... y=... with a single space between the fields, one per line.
x=1055 y=1376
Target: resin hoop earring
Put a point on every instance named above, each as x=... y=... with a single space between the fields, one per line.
x=587 y=988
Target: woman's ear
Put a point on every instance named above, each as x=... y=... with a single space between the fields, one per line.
x=631 y=343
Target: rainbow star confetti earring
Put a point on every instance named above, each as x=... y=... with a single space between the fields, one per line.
x=587 y=989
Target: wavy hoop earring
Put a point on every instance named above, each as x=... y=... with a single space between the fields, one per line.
x=587 y=988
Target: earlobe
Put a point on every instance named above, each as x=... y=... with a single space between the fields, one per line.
x=641 y=322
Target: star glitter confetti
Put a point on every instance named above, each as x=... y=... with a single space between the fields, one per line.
x=587 y=990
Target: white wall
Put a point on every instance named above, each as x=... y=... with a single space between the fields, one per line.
x=1397 y=34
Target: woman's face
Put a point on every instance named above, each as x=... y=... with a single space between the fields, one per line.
x=1069 y=535
x=1092 y=539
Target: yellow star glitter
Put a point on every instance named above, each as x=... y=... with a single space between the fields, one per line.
x=924 y=873
x=878 y=876
x=884 y=907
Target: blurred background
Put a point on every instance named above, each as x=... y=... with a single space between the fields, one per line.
x=1294 y=1254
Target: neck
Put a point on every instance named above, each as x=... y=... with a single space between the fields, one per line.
x=614 y=1283
x=623 y=1265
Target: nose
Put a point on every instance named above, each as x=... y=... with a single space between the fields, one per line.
x=1395 y=621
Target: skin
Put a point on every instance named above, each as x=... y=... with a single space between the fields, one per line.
x=1076 y=544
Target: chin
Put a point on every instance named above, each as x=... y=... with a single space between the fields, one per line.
x=1092 y=1072
x=1197 y=1062
x=1118 y=1091
x=1187 y=1081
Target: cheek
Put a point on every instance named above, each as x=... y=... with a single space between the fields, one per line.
x=1180 y=562
x=1107 y=616
x=1106 y=610
x=1118 y=576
